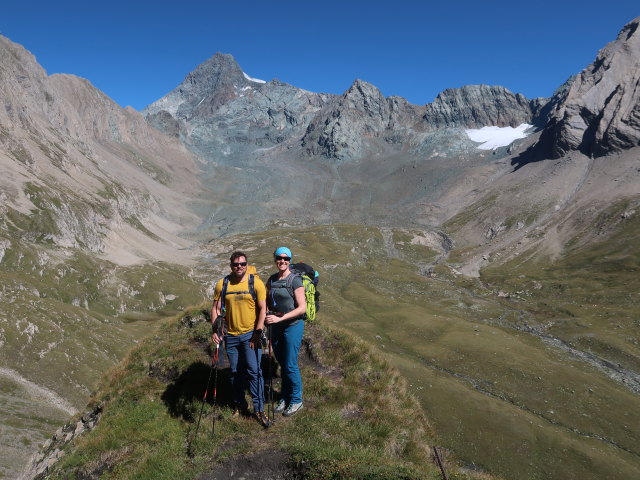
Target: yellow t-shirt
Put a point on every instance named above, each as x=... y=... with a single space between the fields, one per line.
x=240 y=307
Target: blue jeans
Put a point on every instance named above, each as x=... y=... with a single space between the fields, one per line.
x=244 y=362
x=286 y=345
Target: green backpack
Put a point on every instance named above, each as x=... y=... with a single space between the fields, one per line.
x=310 y=279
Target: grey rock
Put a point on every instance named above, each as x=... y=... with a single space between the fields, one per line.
x=599 y=112
x=342 y=129
x=477 y=106
x=41 y=462
x=203 y=91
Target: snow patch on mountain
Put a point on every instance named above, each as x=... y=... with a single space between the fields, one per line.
x=491 y=138
x=256 y=80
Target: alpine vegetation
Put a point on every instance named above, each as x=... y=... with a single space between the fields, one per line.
x=478 y=258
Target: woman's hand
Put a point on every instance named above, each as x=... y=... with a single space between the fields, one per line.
x=271 y=319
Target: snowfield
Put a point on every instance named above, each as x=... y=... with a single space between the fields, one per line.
x=491 y=138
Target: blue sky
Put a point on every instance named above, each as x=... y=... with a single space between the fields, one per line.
x=137 y=51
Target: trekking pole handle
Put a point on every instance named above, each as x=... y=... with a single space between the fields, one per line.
x=217 y=329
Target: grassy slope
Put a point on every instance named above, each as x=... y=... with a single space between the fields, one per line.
x=61 y=327
x=503 y=399
x=359 y=420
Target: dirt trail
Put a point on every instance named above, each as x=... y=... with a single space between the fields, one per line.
x=38 y=392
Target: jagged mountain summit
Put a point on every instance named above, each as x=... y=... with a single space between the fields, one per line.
x=330 y=146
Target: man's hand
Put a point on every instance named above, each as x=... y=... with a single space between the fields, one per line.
x=217 y=327
x=256 y=339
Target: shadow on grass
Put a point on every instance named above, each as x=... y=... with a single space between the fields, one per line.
x=188 y=390
x=184 y=396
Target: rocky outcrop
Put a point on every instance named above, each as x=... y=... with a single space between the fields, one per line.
x=599 y=113
x=477 y=106
x=341 y=130
x=53 y=449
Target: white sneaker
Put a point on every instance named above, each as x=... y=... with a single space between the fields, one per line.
x=280 y=406
x=292 y=409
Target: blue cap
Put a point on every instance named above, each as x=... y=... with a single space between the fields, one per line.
x=282 y=251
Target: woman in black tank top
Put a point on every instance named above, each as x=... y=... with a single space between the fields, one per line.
x=286 y=320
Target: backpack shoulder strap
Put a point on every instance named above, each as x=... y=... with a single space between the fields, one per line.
x=223 y=294
x=252 y=289
x=290 y=283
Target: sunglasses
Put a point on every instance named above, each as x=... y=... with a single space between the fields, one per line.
x=238 y=264
x=284 y=259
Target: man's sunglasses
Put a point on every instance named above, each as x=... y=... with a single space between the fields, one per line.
x=284 y=259
x=238 y=264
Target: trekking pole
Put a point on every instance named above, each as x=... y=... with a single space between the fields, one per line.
x=439 y=461
x=204 y=400
x=271 y=413
x=215 y=390
x=261 y=381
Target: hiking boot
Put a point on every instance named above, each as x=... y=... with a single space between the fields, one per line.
x=292 y=409
x=280 y=406
x=239 y=411
x=263 y=419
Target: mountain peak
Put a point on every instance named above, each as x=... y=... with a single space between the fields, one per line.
x=210 y=85
x=217 y=66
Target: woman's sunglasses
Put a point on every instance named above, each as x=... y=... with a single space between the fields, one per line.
x=284 y=259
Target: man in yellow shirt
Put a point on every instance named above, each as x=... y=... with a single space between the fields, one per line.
x=239 y=300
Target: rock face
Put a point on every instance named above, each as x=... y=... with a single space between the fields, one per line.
x=599 y=113
x=222 y=113
x=477 y=106
x=210 y=85
x=342 y=128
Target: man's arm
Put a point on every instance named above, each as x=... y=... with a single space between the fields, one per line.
x=261 y=305
x=216 y=312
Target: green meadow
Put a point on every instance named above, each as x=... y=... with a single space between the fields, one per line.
x=527 y=384
x=524 y=372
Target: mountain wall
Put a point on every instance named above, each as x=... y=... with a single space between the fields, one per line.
x=335 y=149
x=96 y=167
x=599 y=113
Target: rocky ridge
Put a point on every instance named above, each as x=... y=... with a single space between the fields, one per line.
x=599 y=113
x=477 y=106
x=94 y=167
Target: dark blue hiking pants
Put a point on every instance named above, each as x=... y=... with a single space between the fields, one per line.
x=245 y=370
